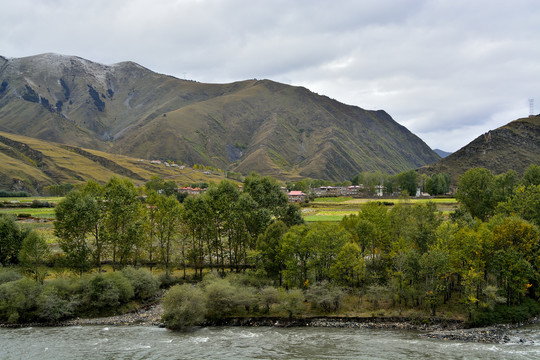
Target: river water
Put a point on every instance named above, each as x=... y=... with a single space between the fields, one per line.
x=145 y=342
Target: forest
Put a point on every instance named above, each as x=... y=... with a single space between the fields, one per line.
x=244 y=250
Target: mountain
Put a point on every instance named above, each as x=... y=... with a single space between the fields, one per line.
x=30 y=164
x=442 y=153
x=253 y=125
x=513 y=146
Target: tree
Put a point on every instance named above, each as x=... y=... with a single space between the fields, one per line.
x=269 y=245
x=123 y=219
x=11 y=239
x=525 y=202
x=34 y=254
x=267 y=193
x=161 y=186
x=514 y=273
x=475 y=192
x=326 y=241
x=435 y=268
x=296 y=254
x=408 y=181
x=75 y=218
x=531 y=176
x=349 y=268
x=167 y=218
x=96 y=219
x=438 y=184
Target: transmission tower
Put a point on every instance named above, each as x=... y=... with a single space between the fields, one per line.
x=531 y=107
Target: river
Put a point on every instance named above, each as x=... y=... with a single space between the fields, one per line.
x=147 y=342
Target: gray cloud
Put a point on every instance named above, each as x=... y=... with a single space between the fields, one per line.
x=447 y=70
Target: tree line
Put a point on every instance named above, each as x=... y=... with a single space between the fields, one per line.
x=485 y=253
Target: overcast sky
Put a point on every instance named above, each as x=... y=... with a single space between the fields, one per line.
x=448 y=70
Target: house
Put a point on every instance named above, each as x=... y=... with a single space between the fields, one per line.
x=191 y=191
x=296 y=196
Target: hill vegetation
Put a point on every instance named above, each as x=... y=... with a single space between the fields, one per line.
x=34 y=165
x=514 y=146
x=275 y=129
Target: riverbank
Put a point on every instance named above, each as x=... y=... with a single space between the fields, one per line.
x=434 y=328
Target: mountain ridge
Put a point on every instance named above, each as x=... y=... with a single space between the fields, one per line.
x=513 y=146
x=250 y=125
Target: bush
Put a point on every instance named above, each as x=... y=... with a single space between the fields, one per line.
x=220 y=298
x=8 y=275
x=167 y=280
x=502 y=314
x=292 y=301
x=325 y=296
x=100 y=292
x=268 y=296
x=125 y=289
x=18 y=300
x=145 y=285
x=183 y=306
x=52 y=307
x=246 y=296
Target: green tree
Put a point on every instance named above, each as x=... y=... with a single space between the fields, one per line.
x=525 y=202
x=514 y=274
x=326 y=241
x=161 y=186
x=269 y=246
x=11 y=239
x=34 y=254
x=408 y=181
x=167 y=219
x=531 y=176
x=475 y=192
x=123 y=221
x=75 y=218
x=296 y=253
x=504 y=185
x=349 y=268
x=435 y=266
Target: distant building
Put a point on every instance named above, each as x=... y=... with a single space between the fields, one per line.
x=296 y=196
x=191 y=191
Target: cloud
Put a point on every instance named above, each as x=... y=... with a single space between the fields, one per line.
x=447 y=70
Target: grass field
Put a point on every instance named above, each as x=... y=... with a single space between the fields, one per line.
x=333 y=209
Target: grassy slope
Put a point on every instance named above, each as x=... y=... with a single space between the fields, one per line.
x=513 y=146
x=32 y=164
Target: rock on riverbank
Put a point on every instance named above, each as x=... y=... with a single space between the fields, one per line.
x=149 y=316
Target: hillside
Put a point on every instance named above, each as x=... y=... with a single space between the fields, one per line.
x=513 y=146
x=30 y=164
x=272 y=128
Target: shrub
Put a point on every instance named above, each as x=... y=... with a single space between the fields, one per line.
x=8 y=275
x=503 y=313
x=100 y=292
x=167 y=280
x=268 y=296
x=220 y=298
x=18 y=300
x=125 y=289
x=246 y=296
x=183 y=306
x=145 y=285
x=292 y=301
x=52 y=307
x=325 y=296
